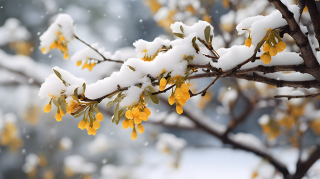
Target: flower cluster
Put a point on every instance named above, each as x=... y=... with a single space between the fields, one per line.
x=60 y=43
x=9 y=136
x=88 y=64
x=181 y=93
x=134 y=116
x=75 y=107
x=272 y=46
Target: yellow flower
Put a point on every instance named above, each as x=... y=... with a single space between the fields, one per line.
x=135 y=111
x=82 y=124
x=134 y=134
x=266 y=58
x=171 y=100
x=47 y=108
x=85 y=65
x=163 y=82
x=143 y=116
x=178 y=93
x=161 y=88
x=182 y=101
x=184 y=87
x=79 y=63
x=281 y=46
x=137 y=120
x=58 y=116
x=186 y=96
x=99 y=116
x=273 y=51
x=125 y=123
x=147 y=111
x=43 y=50
x=248 y=42
x=179 y=109
x=96 y=125
x=266 y=47
x=66 y=56
x=140 y=128
x=129 y=114
x=62 y=112
x=131 y=124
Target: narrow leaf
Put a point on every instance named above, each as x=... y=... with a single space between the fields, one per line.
x=194 y=39
x=57 y=73
x=115 y=115
x=146 y=97
x=181 y=28
x=79 y=114
x=153 y=98
x=151 y=88
x=178 y=35
x=75 y=92
x=110 y=103
x=84 y=86
x=78 y=111
x=131 y=68
x=207 y=33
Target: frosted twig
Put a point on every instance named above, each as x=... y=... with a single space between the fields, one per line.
x=104 y=58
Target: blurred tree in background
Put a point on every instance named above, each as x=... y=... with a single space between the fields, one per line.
x=268 y=109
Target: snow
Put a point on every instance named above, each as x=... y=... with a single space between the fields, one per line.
x=78 y=165
x=259 y=24
x=53 y=86
x=66 y=143
x=23 y=64
x=63 y=24
x=264 y=119
x=99 y=144
x=88 y=53
x=13 y=31
x=231 y=57
x=32 y=161
x=248 y=139
x=171 y=142
x=197 y=28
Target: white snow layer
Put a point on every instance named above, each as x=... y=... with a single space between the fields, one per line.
x=63 y=24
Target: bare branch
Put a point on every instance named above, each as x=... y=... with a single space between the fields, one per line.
x=303 y=96
x=104 y=58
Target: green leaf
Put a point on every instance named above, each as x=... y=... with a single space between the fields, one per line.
x=79 y=110
x=146 y=97
x=63 y=105
x=112 y=95
x=75 y=92
x=95 y=108
x=55 y=102
x=131 y=68
x=115 y=114
x=194 y=39
x=181 y=28
x=151 y=88
x=207 y=33
x=211 y=37
x=153 y=98
x=59 y=76
x=79 y=114
x=84 y=86
x=178 y=35
x=57 y=73
x=110 y=103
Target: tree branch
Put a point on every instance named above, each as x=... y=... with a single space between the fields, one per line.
x=303 y=96
x=302 y=41
x=104 y=58
x=303 y=167
x=315 y=17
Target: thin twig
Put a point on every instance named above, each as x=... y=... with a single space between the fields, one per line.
x=104 y=58
x=205 y=90
x=302 y=96
x=163 y=91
